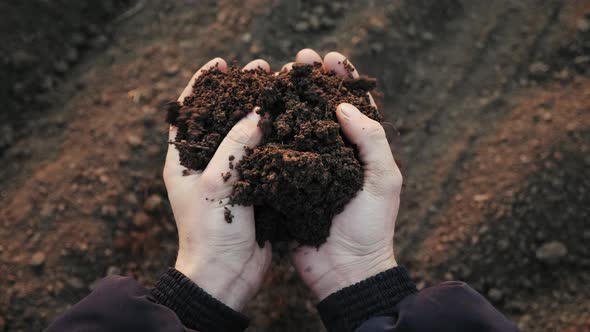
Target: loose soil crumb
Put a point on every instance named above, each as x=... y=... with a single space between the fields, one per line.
x=305 y=171
x=229 y=217
x=226 y=176
x=349 y=68
x=231 y=161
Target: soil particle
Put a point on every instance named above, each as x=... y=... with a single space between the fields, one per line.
x=495 y=295
x=46 y=210
x=134 y=140
x=551 y=252
x=75 y=282
x=229 y=217
x=61 y=67
x=305 y=171
x=231 y=161
x=140 y=219
x=6 y=136
x=153 y=203
x=226 y=176
x=108 y=211
x=113 y=270
x=131 y=199
x=38 y=259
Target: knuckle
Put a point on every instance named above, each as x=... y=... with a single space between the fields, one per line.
x=210 y=183
x=242 y=134
x=375 y=130
x=393 y=180
x=384 y=181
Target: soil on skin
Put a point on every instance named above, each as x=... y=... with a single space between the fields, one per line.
x=305 y=171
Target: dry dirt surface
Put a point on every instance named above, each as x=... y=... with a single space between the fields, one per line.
x=491 y=105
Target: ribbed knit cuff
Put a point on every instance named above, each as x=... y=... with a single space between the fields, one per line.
x=349 y=307
x=196 y=308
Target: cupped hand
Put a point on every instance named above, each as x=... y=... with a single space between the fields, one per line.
x=220 y=257
x=360 y=244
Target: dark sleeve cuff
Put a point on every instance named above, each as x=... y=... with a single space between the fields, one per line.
x=196 y=308
x=349 y=307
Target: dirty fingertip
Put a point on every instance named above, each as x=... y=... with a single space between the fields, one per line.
x=216 y=62
x=308 y=56
x=332 y=60
x=339 y=64
x=287 y=67
x=258 y=63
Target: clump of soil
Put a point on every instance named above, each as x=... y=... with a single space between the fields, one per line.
x=305 y=171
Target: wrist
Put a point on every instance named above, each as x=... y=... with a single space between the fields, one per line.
x=375 y=296
x=196 y=308
x=222 y=284
x=351 y=272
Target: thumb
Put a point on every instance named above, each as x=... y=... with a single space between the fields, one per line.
x=381 y=172
x=245 y=133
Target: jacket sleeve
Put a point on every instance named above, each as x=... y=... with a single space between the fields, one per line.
x=389 y=302
x=175 y=304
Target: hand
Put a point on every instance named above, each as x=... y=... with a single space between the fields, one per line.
x=360 y=244
x=222 y=258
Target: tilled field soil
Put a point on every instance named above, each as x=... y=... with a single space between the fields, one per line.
x=491 y=101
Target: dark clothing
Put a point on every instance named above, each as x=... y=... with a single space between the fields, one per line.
x=387 y=302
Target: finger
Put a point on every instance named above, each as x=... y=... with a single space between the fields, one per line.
x=245 y=133
x=381 y=172
x=219 y=62
x=343 y=68
x=308 y=56
x=340 y=65
x=287 y=67
x=172 y=166
x=305 y=56
x=258 y=63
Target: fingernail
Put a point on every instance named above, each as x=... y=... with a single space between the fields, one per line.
x=253 y=115
x=348 y=110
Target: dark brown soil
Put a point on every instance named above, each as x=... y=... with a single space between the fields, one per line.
x=305 y=171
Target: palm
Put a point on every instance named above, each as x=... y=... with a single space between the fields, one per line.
x=359 y=232
x=217 y=252
x=361 y=237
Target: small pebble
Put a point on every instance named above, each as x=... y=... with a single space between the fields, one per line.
x=38 y=259
x=152 y=203
x=551 y=252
